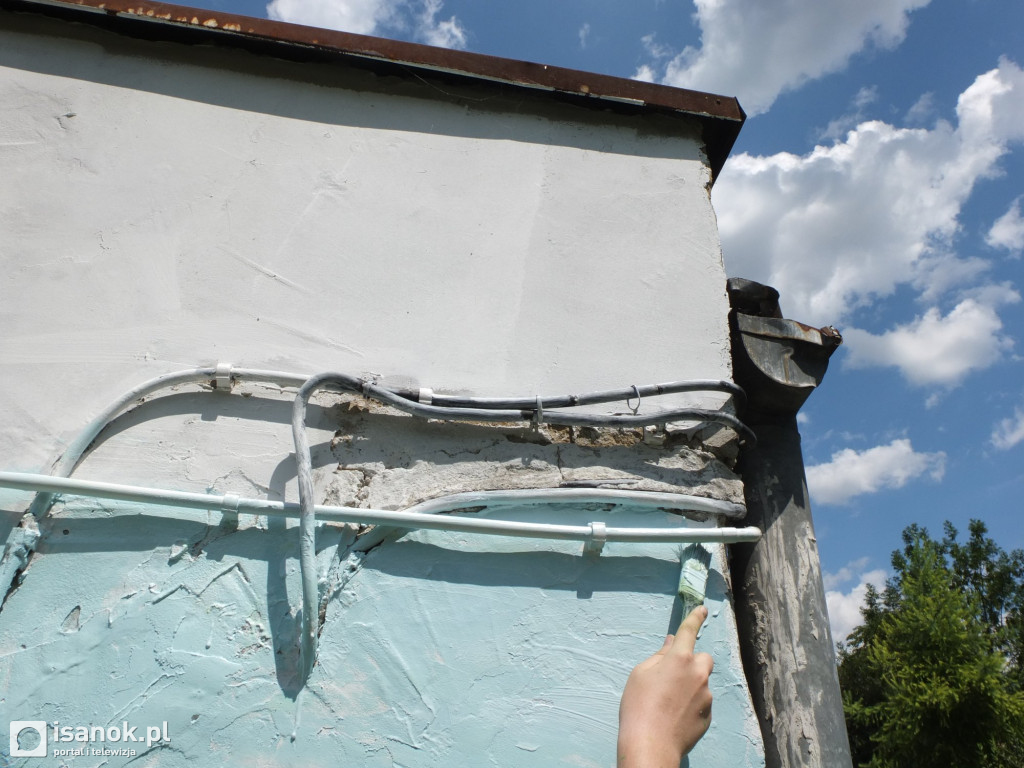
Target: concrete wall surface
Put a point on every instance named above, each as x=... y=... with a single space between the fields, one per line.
x=165 y=207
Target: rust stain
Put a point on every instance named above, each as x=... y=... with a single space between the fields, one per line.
x=830 y=334
x=720 y=117
x=492 y=67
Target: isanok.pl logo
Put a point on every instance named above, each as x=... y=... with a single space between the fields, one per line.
x=28 y=738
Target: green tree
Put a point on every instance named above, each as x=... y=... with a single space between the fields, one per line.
x=932 y=677
x=996 y=580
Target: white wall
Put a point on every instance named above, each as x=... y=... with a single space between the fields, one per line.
x=172 y=214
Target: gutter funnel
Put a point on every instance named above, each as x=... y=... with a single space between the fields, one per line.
x=778 y=362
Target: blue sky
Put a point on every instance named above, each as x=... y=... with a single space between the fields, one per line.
x=878 y=184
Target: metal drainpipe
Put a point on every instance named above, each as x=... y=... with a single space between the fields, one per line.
x=786 y=642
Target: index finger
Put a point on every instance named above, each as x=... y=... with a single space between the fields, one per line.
x=686 y=635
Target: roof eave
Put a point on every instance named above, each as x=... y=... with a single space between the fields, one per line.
x=720 y=117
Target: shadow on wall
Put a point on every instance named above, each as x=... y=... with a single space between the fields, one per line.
x=586 y=574
x=196 y=555
x=193 y=548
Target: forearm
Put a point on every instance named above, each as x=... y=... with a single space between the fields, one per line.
x=635 y=753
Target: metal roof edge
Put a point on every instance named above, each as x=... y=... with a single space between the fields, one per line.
x=721 y=117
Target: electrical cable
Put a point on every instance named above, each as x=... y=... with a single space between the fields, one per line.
x=470 y=409
x=425 y=404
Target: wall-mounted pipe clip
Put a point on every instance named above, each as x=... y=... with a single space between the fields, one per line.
x=229 y=507
x=635 y=409
x=598 y=537
x=222 y=377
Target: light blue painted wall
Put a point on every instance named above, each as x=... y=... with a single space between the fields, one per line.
x=437 y=649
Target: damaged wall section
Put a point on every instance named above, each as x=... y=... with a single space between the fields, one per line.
x=388 y=460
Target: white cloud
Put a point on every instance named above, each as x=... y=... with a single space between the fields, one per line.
x=844 y=607
x=655 y=49
x=757 y=49
x=360 y=16
x=1008 y=230
x=846 y=224
x=838 y=128
x=921 y=110
x=992 y=107
x=644 y=74
x=934 y=349
x=852 y=473
x=1009 y=432
x=992 y=294
x=937 y=273
x=844 y=574
x=417 y=19
x=865 y=96
x=446 y=33
x=584 y=34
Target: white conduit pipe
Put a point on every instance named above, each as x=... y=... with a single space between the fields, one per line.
x=69 y=459
x=223 y=374
x=423 y=515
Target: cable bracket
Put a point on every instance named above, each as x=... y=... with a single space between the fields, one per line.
x=598 y=537
x=222 y=376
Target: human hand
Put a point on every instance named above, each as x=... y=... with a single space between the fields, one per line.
x=666 y=704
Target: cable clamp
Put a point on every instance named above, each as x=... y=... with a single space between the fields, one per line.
x=538 y=414
x=426 y=396
x=598 y=537
x=229 y=510
x=222 y=376
x=636 y=389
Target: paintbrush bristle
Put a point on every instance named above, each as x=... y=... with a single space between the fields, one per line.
x=693 y=578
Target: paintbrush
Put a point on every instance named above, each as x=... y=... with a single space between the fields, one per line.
x=693 y=578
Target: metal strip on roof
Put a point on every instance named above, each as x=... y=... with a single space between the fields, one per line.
x=720 y=116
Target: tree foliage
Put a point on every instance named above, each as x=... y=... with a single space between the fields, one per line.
x=934 y=676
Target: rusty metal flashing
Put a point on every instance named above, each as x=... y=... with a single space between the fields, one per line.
x=779 y=362
x=720 y=117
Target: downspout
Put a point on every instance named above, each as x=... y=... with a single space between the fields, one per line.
x=785 y=639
